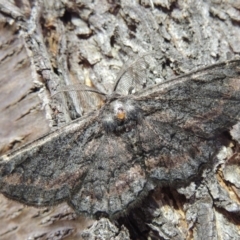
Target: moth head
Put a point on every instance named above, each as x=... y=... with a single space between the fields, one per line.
x=121 y=115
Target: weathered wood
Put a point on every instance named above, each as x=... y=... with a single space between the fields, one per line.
x=22 y=117
x=49 y=44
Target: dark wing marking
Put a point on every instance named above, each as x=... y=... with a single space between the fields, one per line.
x=184 y=119
x=46 y=171
x=173 y=156
x=205 y=102
x=95 y=173
x=114 y=180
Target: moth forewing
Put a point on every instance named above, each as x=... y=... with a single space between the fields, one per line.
x=104 y=162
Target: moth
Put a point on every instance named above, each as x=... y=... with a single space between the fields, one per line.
x=105 y=162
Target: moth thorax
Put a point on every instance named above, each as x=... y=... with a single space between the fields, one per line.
x=122 y=116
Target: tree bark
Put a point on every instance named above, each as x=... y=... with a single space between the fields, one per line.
x=50 y=46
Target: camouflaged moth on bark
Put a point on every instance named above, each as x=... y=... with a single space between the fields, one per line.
x=106 y=161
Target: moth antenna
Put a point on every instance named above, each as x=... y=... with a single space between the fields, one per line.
x=78 y=87
x=128 y=66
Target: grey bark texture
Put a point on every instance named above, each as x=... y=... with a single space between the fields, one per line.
x=49 y=47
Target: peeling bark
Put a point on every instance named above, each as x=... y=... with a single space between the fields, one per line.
x=48 y=46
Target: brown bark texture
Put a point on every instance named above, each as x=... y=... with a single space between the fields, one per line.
x=48 y=47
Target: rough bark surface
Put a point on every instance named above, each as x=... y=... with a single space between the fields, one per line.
x=46 y=45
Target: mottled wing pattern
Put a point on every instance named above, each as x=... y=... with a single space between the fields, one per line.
x=114 y=181
x=180 y=132
x=101 y=172
x=184 y=119
x=46 y=171
x=96 y=173
x=171 y=155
